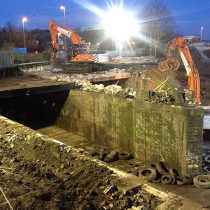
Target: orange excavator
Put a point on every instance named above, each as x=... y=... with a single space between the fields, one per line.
x=67 y=45
x=172 y=64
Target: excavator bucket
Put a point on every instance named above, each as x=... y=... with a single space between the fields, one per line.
x=170 y=64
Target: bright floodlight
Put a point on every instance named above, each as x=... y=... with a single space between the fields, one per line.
x=120 y=24
x=62 y=7
x=24 y=19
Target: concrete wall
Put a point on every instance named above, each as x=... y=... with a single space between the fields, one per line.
x=150 y=131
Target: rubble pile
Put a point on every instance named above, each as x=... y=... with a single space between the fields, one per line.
x=167 y=92
x=110 y=89
x=78 y=79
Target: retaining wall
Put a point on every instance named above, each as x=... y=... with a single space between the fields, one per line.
x=150 y=131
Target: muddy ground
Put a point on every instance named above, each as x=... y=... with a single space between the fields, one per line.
x=38 y=173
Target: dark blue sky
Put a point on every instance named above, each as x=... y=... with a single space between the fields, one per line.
x=190 y=15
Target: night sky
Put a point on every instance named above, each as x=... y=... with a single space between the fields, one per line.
x=190 y=15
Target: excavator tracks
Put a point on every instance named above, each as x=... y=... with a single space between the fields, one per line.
x=81 y=68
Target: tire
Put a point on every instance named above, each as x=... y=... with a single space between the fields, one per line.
x=148 y=173
x=161 y=168
x=125 y=156
x=156 y=180
x=206 y=168
x=96 y=155
x=167 y=179
x=104 y=154
x=183 y=180
x=202 y=181
x=207 y=158
x=174 y=173
x=111 y=157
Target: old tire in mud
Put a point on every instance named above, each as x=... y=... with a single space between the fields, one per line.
x=111 y=157
x=183 y=180
x=202 y=181
x=167 y=179
x=161 y=168
x=207 y=158
x=148 y=173
x=157 y=179
x=174 y=173
x=125 y=156
x=206 y=168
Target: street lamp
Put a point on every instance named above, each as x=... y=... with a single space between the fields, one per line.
x=64 y=12
x=24 y=19
x=202 y=33
x=64 y=18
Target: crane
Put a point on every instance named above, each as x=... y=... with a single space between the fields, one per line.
x=171 y=63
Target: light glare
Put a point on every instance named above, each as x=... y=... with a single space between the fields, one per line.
x=24 y=19
x=120 y=24
x=62 y=7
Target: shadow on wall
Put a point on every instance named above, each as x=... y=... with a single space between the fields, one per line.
x=35 y=111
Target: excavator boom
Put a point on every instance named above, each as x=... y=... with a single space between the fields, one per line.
x=55 y=29
x=172 y=64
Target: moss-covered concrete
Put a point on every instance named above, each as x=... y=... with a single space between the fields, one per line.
x=150 y=131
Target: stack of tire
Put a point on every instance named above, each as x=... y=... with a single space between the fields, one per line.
x=111 y=156
x=160 y=173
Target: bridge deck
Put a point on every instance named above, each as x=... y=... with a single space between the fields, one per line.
x=13 y=86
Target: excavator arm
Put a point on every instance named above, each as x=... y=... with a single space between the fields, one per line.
x=56 y=29
x=172 y=64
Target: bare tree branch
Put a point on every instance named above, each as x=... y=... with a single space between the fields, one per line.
x=159 y=24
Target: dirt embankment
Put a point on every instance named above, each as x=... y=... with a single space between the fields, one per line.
x=38 y=173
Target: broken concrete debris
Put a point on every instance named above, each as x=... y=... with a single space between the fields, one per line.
x=79 y=79
x=168 y=92
x=110 y=89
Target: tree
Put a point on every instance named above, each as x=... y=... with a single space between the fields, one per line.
x=12 y=37
x=159 y=25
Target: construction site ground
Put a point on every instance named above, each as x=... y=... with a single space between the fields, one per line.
x=38 y=172
x=199 y=196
